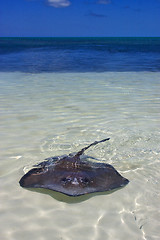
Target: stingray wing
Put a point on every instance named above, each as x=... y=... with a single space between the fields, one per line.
x=74 y=181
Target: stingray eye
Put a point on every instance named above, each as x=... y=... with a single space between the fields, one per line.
x=66 y=180
x=85 y=180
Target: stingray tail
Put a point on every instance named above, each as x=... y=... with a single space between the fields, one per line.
x=92 y=144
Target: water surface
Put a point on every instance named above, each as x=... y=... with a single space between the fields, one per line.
x=37 y=55
x=50 y=113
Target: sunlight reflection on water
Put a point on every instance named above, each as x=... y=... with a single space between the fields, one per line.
x=50 y=114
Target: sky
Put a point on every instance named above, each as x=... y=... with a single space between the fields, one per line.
x=79 y=18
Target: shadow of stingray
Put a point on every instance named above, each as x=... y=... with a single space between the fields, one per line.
x=70 y=199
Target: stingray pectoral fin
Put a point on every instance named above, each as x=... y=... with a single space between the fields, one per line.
x=109 y=178
x=75 y=182
x=32 y=178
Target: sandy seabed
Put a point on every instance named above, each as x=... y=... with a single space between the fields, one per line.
x=51 y=114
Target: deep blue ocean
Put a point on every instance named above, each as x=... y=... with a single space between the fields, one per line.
x=36 y=55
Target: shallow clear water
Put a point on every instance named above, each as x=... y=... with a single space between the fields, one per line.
x=50 y=114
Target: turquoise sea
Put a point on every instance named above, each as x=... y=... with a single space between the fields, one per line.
x=58 y=95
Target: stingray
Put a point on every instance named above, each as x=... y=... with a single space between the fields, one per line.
x=73 y=176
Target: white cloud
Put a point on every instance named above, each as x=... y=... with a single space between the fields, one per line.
x=59 y=3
